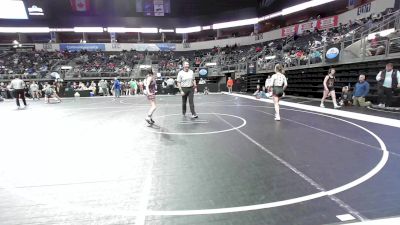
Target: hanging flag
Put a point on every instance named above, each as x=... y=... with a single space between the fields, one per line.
x=80 y=5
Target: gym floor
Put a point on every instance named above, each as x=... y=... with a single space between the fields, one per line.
x=96 y=161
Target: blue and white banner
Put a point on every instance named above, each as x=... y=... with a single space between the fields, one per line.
x=166 y=47
x=203 y=72
x=80 y=47
x=332 y=53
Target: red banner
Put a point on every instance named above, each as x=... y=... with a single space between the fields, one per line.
x=80 y=5
x=289 y=31
x=307 y=26
x=320 y=24
x=327 y=23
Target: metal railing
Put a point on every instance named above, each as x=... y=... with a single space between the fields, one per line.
x=361 y=31
x=389 y=21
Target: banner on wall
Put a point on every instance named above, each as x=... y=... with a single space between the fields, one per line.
x=328 y=22
x=140 y=47
x=203 y=72
x=364 y=9
x=153 y=7
x=166 y=47
x=80 y=47
x=303 y=27
x=320 y=24
x=251 y=68
x=289 y=31
x=80 y=5
x=332 y=53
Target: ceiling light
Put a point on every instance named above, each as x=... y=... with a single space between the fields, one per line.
x=236 y=23
x=88 y=29
x=167 y=31
x=131 y=30
x=187 y=30
x=24 y=30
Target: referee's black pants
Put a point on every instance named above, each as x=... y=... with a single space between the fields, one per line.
x=20 y=93
x=188 y=92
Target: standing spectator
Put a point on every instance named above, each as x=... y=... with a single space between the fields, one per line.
x=141 y=86
x=18 y=85
x=133 y=87
x=104 y=87
x=268 y=86
x=388 y=81
x=3 y=90
x=117 y=88
x=229 y=84
x=360 y=92
x=34 y=89
x=123 y=87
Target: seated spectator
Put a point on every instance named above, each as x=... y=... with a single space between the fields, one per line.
x=316 y=57
x=346 y=96
x=376 y=46
x=257 y=92
x=360 y=92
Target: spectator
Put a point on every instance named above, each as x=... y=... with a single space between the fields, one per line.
x=3 y=90
x=117 y=88
x=388 y=81
x=133 y=87
x=229 y=84
x=93 y=88
x=345 y=97
x=141 y=86
x=34 y=90
x=103 y=87
x=376 y=46
x=360 y=92
x=268 y=86
x=171 y=85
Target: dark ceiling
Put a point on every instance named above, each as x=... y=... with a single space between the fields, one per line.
x=184 y=13
x=127 y=8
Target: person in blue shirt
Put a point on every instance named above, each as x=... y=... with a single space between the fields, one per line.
x=117 y=88
x=360 y=91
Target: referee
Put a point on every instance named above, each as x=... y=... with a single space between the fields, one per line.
x=18 y=86
x=187 y=86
